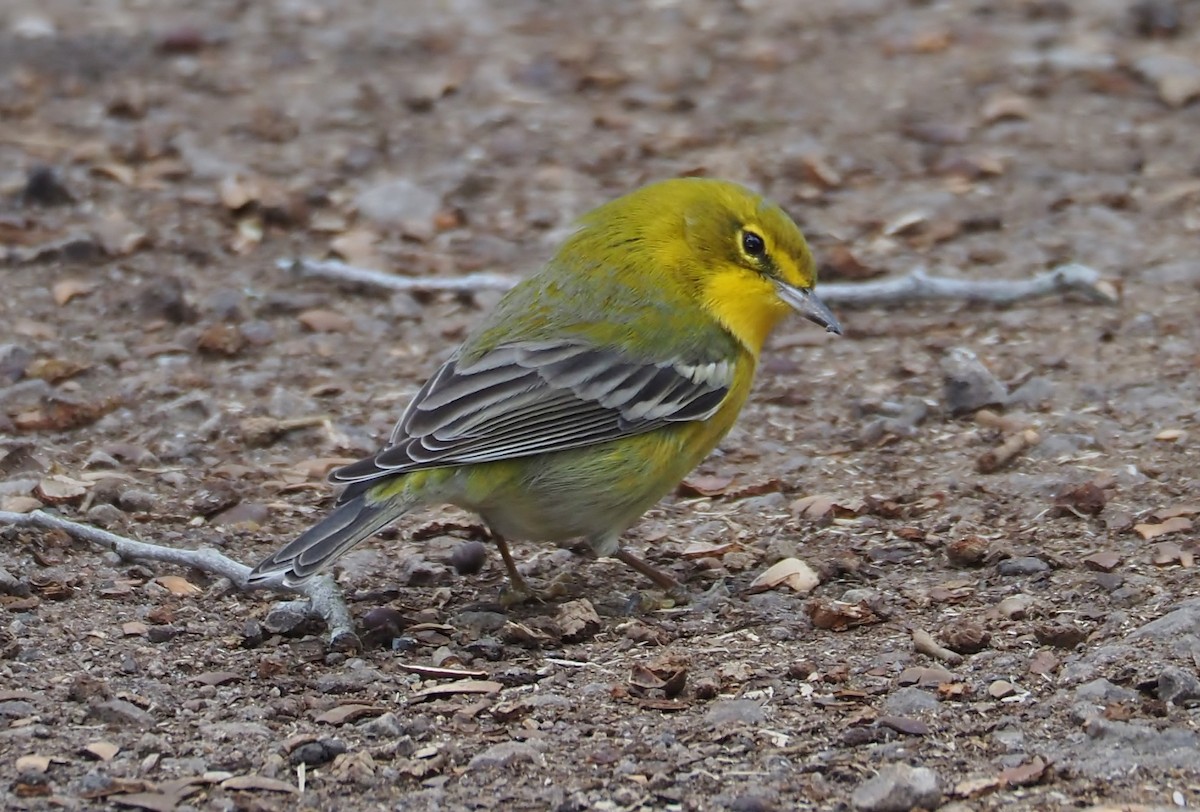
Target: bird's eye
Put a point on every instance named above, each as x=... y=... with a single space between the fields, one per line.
x=753 y=244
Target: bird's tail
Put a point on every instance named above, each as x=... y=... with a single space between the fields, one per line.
x=321 y=545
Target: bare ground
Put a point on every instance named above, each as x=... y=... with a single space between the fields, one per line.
x=162 y=377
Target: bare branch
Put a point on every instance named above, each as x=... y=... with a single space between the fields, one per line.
x=337 y=271
x=918 y=285
x=915 y=286
x=324 y=598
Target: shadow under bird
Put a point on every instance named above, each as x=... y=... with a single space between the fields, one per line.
x=595 y=385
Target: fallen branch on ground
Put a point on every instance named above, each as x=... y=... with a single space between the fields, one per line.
x=324 y=598
x=914 y=286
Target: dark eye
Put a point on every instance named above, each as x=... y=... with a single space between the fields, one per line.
x=753 y=244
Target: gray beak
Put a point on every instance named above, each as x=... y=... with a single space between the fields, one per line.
x=809 y=306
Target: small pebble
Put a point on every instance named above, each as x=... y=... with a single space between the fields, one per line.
x=469 y=557
x=1025 y=565
x=898 y=788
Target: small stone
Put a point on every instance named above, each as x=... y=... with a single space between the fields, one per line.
x=1059 y=635
x=1023 y=565
x=398 y=203
x=1177 y=685
x=1157 y=18
x=898 y=788
x=1015 y=607
x=290 y=617
x=253 y=633
x=1001 y=688
x=44 y=187
x=121 y=713
x=1102 y=692
x=162 y=632
x=136 y=500
x=314 y=754
x=164 y=298
x=969 y=551
x=382 y=625
x=105 y=515
x=469 y=557
x=14 y=360
x=752 y=803
x=706 y=688
x=967 y=385
x=504 y=754
x=910 y=701
x=385 y=726
x=1173 y=625
x=733 y=712
x=965 y=637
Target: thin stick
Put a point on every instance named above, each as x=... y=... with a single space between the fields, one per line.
x=923 y=643
x=324 y=598
x=915 y=286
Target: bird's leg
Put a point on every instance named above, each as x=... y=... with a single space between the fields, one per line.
x=519 y=590
x=661 y=579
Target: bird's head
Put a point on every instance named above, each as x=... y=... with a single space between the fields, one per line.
x=740 y=256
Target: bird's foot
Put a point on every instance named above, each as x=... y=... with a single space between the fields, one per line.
x=518 y=591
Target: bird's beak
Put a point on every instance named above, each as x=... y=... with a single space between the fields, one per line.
x=809 y=306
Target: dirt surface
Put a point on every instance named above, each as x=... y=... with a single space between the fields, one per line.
x=162 y=377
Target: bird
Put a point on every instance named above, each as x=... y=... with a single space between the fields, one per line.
x=593 y=387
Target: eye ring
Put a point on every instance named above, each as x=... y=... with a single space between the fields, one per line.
x=753 y=244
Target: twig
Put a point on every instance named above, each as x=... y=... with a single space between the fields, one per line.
x=324 y=598
x=994 y=459
x=914 y=286
x=341 y=272
x=918 y=285
x=923 y=643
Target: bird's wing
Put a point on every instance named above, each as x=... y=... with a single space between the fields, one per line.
x=539 y=396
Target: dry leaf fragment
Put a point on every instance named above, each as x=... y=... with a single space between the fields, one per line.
x=33 y=764
x=217 y=677
x=578 y=620
x=699 y=550
x=57 y=489
x=178 y=585
x=839 y=616
x=820 y=171
x=1176 y=524
x=325 y=321
x=1005 y=105
x=975 y=787
x=904 y=724
x=1165 y=553
x=704 y=485
x=257 y=782
x=1178 y=510
x=65 y=290
x=1024 y=775
x=101 y=750
x=824 y=508
x=53 y=370
x=1043 y=663
x=462 y=686
x=150 y=801
x=1086 y=499
x=1104 y=561
x=349 y=713
x=221 y=338
x=790 y=572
